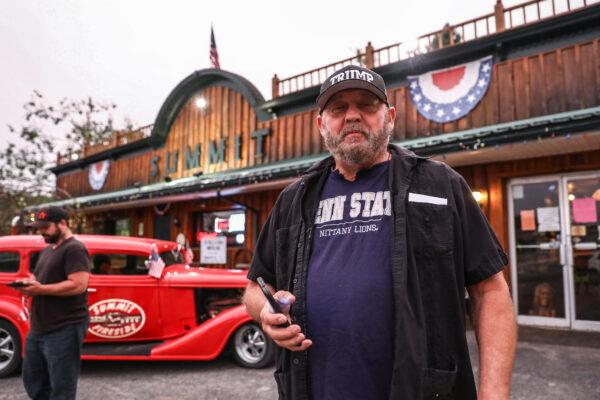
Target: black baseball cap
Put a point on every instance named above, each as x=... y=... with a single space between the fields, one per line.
x=352 y=77
x=44 y=216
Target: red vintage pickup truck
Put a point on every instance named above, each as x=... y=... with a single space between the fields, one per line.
x=188 y=314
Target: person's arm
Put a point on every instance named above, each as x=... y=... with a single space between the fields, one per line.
x=495 y=327
x=76 y=283
x=289 y=337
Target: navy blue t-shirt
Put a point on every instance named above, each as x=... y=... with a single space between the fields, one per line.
x=350 y=310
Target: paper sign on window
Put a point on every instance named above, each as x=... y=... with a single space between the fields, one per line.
x=527 y=220
x=213 y=250
x=578 y=230
x=548 y=219
x=584 y=211
x=517 y=192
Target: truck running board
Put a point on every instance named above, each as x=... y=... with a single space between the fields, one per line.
x=119 y=349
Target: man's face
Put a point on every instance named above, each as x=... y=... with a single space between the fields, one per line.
x=356 y=126
x=51 y=233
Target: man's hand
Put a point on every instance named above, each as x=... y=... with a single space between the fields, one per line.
x=76 y=283
x=33 y=287
x=289 y=337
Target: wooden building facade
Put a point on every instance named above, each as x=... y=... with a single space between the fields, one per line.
x=218 y=153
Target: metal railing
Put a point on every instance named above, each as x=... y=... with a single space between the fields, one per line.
x=450 y=35
x=119 y=138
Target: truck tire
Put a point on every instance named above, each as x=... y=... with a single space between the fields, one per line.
x=251 y=347
x=10 y=349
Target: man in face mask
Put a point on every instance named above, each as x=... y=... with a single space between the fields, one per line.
x=59 y=313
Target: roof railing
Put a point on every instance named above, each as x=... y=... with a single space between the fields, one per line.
x=450 y=35
x=118 y=138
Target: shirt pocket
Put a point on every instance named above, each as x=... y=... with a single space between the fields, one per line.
x=430 y=229
x=438 y=384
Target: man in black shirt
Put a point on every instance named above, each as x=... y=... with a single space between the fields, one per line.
x=373 y=248
x=59 y=313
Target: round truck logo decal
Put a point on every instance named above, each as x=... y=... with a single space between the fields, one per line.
x=116 y=318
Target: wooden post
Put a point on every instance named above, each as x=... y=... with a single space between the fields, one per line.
x=499 y=16
x=58 y=158
x=115 y=139
x=369 y=61
x=275 y=86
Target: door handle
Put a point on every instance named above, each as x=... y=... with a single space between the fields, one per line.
x=91 y=290
x=549 y=246
x=586 y=246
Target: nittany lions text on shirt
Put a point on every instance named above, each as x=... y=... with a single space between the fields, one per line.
x=350 y=315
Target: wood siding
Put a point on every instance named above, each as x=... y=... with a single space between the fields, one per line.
x=555 y=81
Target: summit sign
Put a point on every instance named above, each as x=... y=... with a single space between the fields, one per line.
x=216 y=150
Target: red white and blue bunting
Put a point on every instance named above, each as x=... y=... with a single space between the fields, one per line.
x=97 y=174
x=448 y=94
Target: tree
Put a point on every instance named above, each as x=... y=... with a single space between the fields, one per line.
x=67 y=127
x=446 y=32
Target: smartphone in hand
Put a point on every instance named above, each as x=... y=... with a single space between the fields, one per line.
x=17 y=284
x=274 y=303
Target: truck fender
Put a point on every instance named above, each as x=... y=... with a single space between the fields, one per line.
x=13 y=311
x=207 y=340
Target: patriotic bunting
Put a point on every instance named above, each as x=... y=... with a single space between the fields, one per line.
x=448 y=94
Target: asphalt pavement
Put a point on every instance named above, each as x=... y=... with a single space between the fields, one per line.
x=549 y=365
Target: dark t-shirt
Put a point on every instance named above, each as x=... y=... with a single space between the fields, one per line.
x=350 y=308
x=49 y=313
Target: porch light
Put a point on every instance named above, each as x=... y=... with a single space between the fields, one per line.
x=478 y=196
x=201 y=103
x=571 y=197
x=240 y=238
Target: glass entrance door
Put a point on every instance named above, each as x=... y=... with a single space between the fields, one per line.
x=583 y=193
x=539 y=273
x=555 y=250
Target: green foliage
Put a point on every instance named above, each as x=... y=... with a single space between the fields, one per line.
x=446 y=38
x=32 y=149
x=13 y=204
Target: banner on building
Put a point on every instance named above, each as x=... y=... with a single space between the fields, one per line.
x=448 y=94
x=98 y=173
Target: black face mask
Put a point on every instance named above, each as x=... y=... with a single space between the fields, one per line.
x=52 y=239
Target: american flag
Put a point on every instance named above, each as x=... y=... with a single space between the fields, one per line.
x=155 y=263
x=214 y=54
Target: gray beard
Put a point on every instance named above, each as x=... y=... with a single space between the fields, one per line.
x=357 y=153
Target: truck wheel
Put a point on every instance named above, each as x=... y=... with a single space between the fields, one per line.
x=251 y=347
x=10 y=349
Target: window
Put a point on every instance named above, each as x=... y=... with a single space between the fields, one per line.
x=119 y=264
x=9 y=261
x=172 y=257
x=231 y=224
x=33 y=259
x=123 y=227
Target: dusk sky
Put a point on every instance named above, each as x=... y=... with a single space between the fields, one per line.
x=133 y=53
